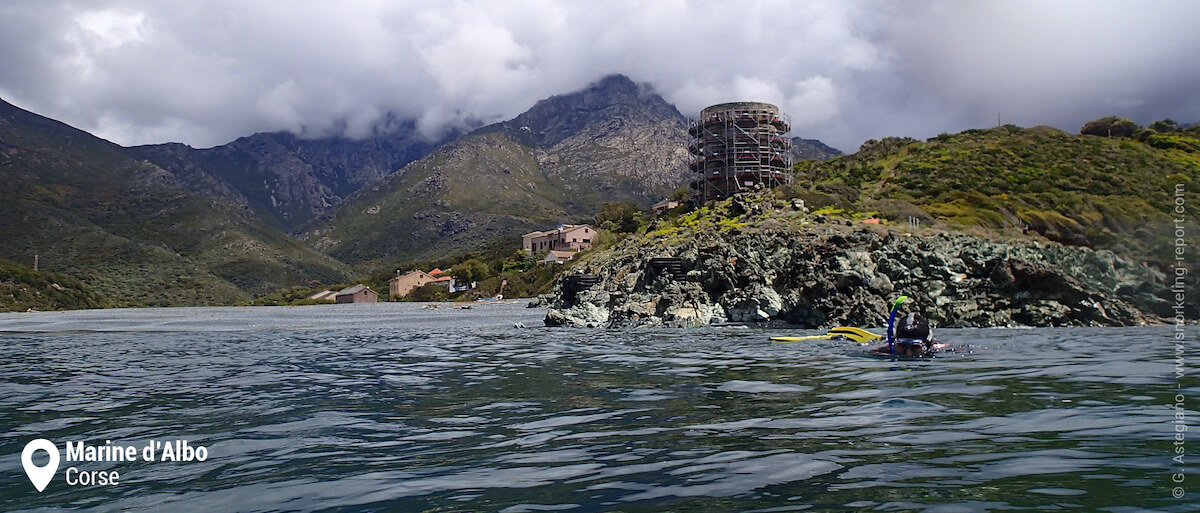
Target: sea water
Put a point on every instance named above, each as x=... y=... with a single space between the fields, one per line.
x=408 y=407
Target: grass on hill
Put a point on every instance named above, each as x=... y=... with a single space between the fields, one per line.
x=22 y=289
x=1106 y=193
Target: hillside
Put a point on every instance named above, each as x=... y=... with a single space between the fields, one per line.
x=1017 y=228
x=1099 y=192
x=23 y=289
x=558 y=162
x=129 y=229
x=287 y=180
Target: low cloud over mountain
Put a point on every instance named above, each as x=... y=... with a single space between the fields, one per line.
x=205 y=73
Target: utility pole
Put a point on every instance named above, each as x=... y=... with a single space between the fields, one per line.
x=35 y=263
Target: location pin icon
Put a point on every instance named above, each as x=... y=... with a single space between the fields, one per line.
x=40 y=476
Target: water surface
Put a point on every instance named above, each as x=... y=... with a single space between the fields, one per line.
x=395 y=407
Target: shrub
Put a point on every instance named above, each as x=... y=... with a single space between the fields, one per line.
x=1110 y=126
x=471 y=270
x=623 y=217
x=428 y=293
x=1174 y=142
x=1165 y=126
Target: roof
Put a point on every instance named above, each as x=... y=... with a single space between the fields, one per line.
x=354 y=290
x=561 y=254
x=410 y=273
x=435 y=272
x=443 y=278
x=561 y=229
x=324 y=294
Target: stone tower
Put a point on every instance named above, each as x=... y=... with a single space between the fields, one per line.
x=738 y=145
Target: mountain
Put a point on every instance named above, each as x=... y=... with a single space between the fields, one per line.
x=612 y=141
x=168 y=224
x=288 y=180
x=131 y=230
x=557 y=162
x=812 y=149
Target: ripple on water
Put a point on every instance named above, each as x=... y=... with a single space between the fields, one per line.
x=761 y=387
x=390 y=409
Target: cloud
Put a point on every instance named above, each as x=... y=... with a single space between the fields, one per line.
x=143 y=71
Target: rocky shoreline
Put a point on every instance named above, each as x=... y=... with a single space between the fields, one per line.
x=757 y=262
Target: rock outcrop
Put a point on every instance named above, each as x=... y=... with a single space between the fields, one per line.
x=755 y=259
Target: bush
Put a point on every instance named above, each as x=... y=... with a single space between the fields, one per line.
x=841 y=193
x=1174 y=142
x=623 y=217
x=470 y=271
x=429 y=292
x=1165 y=126
x=1111 y=126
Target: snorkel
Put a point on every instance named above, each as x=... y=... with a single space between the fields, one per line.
x=891 y=324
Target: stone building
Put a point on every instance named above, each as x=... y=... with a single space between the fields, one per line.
x=568 y=237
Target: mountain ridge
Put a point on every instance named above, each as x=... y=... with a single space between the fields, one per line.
x=128 y=228
x=558 y=162
x=285 y=178
x=168 y=224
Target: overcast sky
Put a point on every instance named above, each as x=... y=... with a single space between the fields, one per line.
x=205 y=72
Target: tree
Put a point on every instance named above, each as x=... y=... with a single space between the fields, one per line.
x=1165 y=126
x=471 y=270
x=429 y=292
x=1110 y=126
x=623 y=217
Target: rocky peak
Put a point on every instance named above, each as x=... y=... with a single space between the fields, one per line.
x=806 y=149
x=559 y=117
x=289 y=179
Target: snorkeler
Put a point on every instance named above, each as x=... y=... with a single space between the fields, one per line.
x=912 y=337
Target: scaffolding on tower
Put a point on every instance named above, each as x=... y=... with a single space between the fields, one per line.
x=738 y=145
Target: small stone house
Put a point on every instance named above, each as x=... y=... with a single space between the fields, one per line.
x=357 y=294
x=402 y=284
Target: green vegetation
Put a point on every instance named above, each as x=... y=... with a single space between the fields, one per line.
x=292 y=296
x=494 y=192
x=115 y=231
x=1111 y=126
x=22 y=289
x=623 y=217
x=1112 y=193
x=127 y=230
